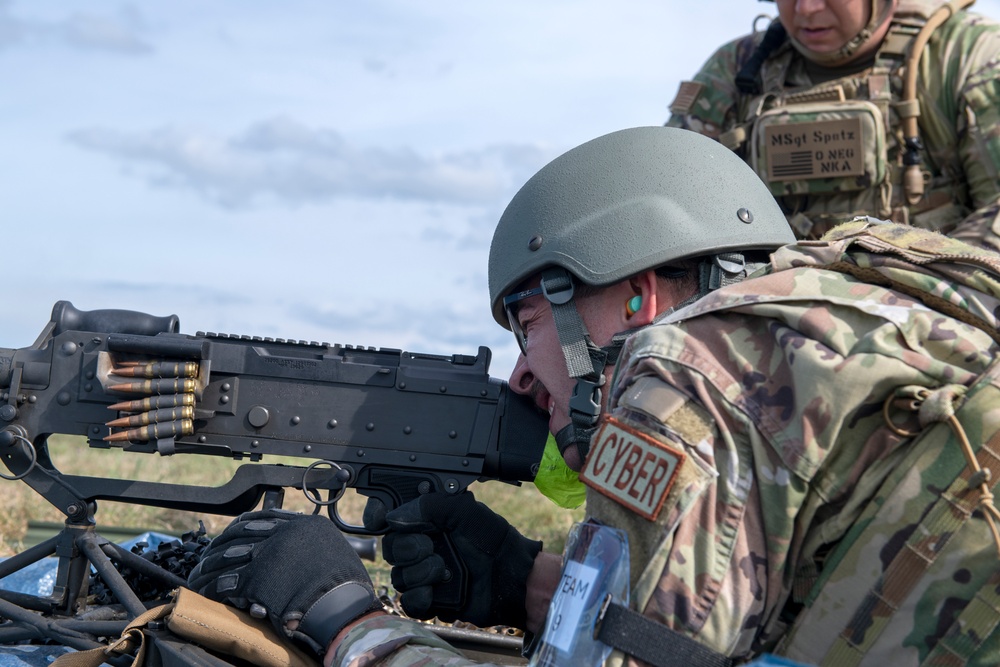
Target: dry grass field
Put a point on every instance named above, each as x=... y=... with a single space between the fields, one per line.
x=524 y=506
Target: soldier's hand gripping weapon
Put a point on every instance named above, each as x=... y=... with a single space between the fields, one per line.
x=388 y=423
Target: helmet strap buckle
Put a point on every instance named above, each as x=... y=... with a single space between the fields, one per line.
x=585 y=403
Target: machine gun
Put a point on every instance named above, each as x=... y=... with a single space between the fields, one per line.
x=390 y=424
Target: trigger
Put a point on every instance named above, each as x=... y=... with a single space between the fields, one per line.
x=374 y=514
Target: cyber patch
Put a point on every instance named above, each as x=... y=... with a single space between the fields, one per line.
x=631 y=468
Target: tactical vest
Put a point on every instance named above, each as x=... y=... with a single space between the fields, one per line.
x=917 y=576
x=833 y=151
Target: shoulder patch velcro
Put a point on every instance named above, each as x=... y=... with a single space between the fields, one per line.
x=632 y=468
x=686 y=96
x=653 y=396
x=670 y=406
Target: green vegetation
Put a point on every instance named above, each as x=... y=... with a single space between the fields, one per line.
x=533 y=514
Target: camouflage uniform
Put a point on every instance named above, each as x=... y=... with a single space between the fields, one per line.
x=777 y=391
x=391 y=641
x=775 y=388
x=959 y=124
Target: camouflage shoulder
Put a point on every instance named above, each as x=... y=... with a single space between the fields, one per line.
x=732 y=55
x=703 y=103
x=968 y=45
x=973 y=54
x=392 y=641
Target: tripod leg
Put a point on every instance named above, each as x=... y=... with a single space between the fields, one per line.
x=22 y=560
x=89 y=546
x=69 y=593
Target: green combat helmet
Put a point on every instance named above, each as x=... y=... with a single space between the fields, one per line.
x=623 y=203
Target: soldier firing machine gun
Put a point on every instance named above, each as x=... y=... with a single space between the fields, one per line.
x=390 y=424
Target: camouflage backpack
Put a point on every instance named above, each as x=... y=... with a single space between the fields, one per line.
x=917 y=576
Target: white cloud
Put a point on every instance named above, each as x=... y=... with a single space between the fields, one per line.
x=282 y=159
x=121 y=32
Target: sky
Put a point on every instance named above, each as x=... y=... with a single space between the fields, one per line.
x=316 y=170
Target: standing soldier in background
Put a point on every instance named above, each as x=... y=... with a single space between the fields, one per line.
x=863 y=107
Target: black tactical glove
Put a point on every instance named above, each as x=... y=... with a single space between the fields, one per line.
x=289 y=567
x=497 y=558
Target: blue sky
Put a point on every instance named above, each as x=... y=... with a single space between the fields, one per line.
x=313 y=170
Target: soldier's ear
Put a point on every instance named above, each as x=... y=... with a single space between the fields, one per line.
x=642 y=307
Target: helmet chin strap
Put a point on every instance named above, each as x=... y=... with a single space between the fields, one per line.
x=587 y=399
x=585 y=361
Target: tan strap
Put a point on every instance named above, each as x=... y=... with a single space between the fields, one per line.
x=229 y=631
x=212 y=625
x=907 y=108
x=132 y=640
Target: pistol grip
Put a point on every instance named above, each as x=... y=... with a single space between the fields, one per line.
x=449 y=595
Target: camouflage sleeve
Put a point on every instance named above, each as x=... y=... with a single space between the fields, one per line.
x=708 y=103
x=391 y=641
x=967 y=90
x=704 y=571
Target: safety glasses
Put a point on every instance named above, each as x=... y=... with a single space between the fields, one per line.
x=510 y=307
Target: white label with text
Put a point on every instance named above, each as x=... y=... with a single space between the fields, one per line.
x=577 y=583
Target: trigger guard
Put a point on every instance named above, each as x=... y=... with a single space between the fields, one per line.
x=390 y=502
x=331 y=510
